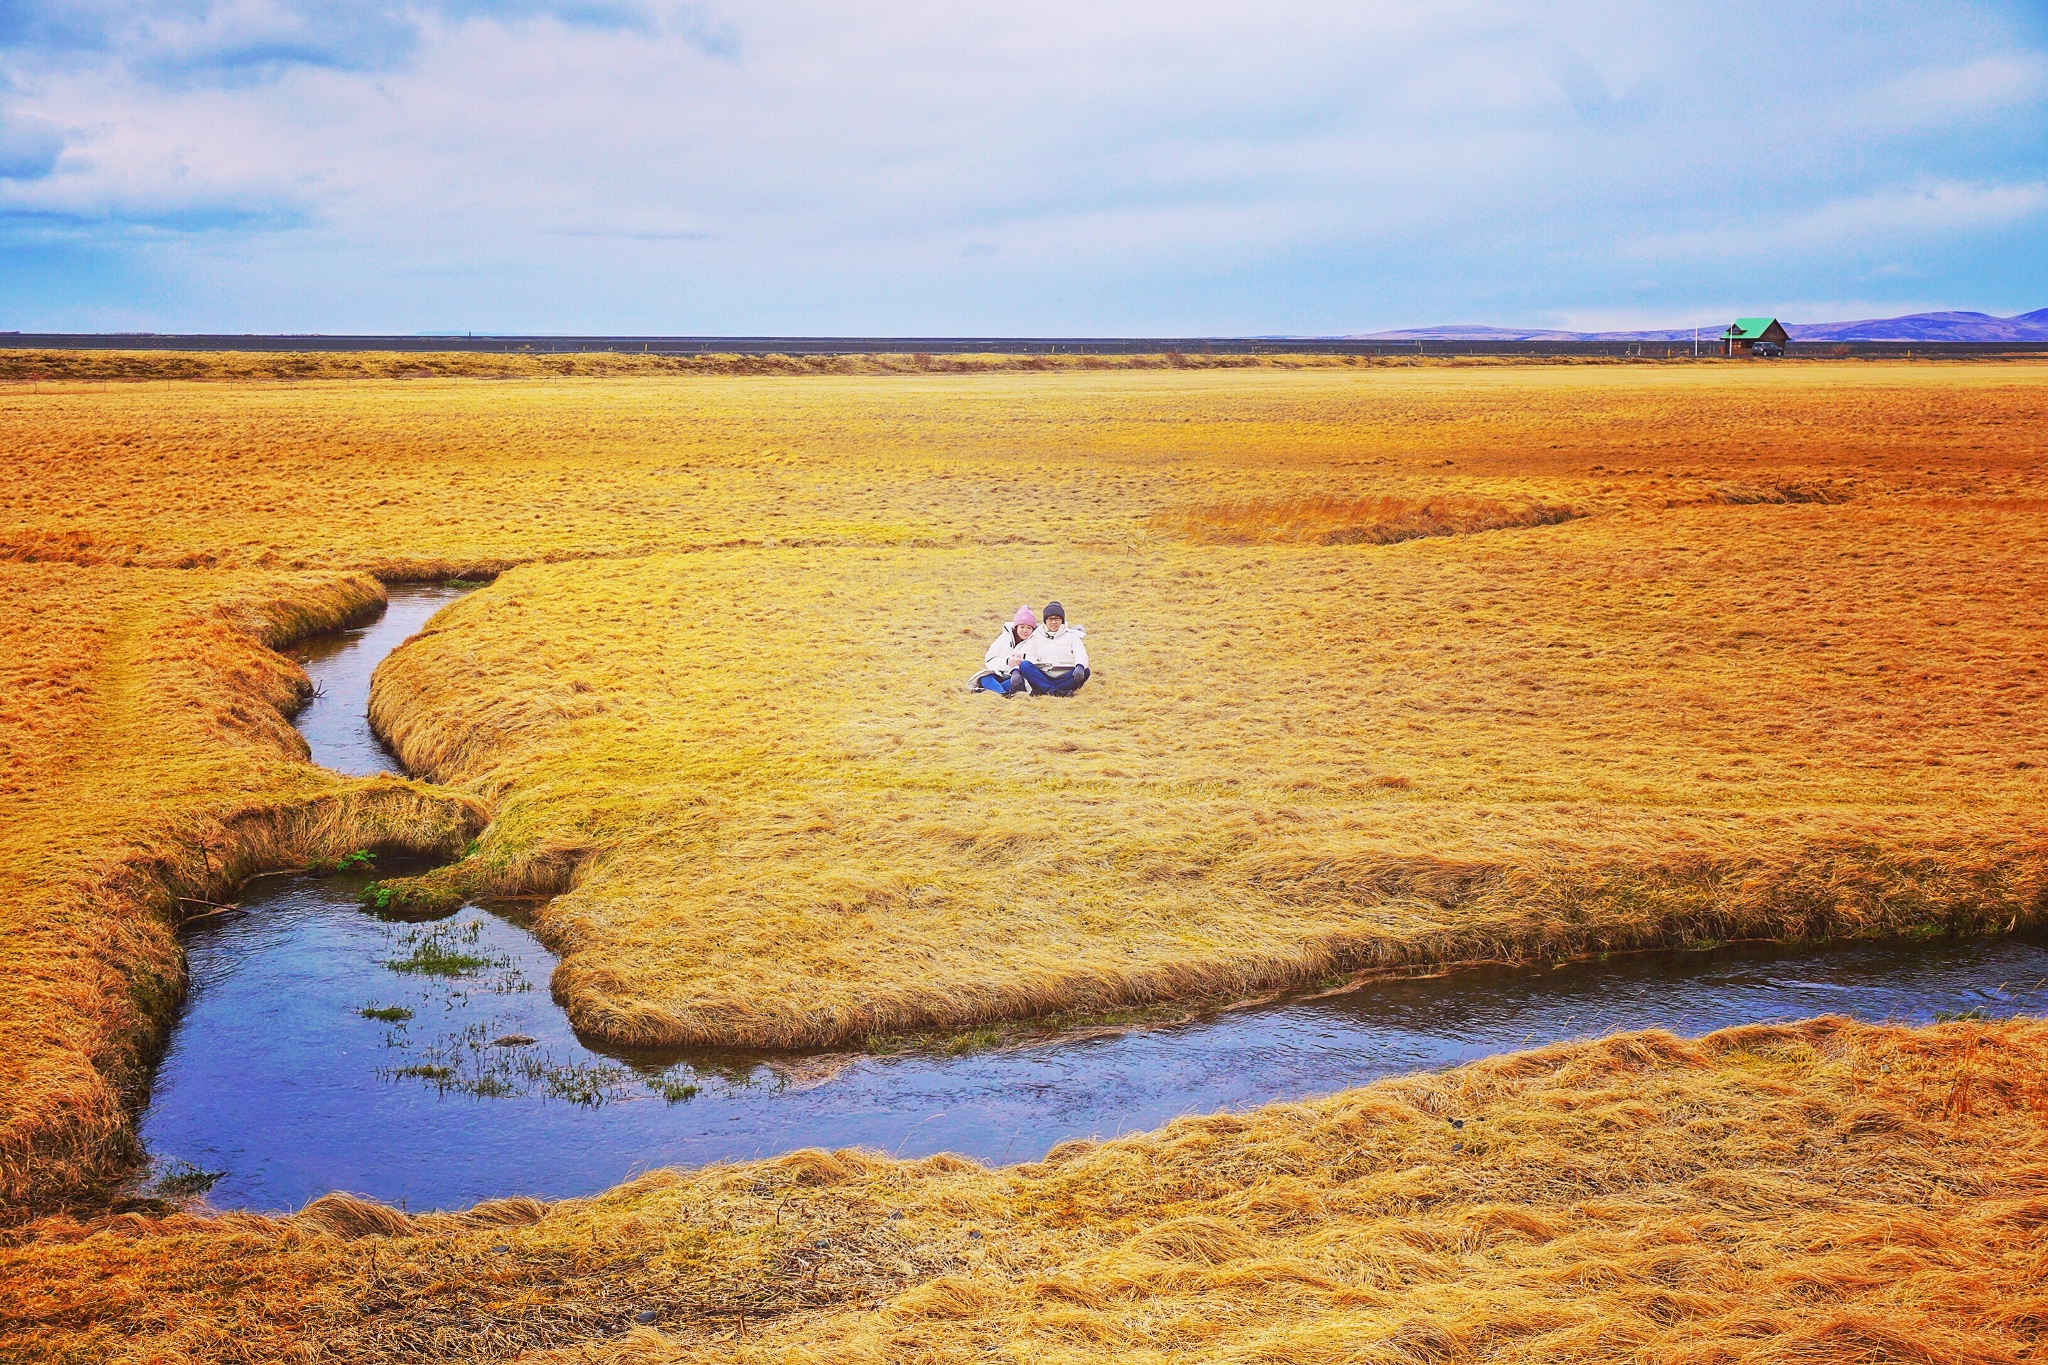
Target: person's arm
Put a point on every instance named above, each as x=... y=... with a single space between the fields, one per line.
x=997 y=660
x=1080 y=651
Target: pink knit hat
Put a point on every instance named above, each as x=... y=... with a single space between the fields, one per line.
x=1024 y=617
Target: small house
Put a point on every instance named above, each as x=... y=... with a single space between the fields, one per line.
x=1741 y=339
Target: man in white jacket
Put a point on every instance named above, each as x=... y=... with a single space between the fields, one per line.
x=999 y=666
x=1055 y=660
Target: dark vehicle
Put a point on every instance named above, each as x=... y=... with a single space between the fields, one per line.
x=1764 y=349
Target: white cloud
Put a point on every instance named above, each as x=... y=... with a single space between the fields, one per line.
x=1945 y=96
x=924 y=167
x=1860 y=223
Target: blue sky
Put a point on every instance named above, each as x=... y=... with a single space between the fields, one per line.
x=1194 y=168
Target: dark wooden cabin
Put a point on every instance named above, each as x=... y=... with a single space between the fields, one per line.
x=1741 y=339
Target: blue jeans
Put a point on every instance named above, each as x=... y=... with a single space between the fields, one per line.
x=1042 y=681
x=994 y=682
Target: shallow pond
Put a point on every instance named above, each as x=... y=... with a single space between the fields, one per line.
x=426 y=1065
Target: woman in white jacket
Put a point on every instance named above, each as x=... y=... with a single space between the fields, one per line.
x=1055 y=660
x=999 y=666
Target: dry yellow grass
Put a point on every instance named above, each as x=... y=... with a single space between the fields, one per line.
x=41 y=367
x=1780 y=672
x=418 y=478
x=1630 y=730
x=38 y=367
x=1815 y=1193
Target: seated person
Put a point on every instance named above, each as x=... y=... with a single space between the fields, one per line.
x=999 y=668
x=1055 y=661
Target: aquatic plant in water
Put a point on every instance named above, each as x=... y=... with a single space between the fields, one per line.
x=180 y=1179
x=482 y=1061
x=674 y=1089
x=445 y=950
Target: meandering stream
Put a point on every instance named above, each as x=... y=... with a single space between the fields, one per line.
x=426 y=1065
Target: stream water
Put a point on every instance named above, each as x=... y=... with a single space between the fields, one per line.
x=324 y=1048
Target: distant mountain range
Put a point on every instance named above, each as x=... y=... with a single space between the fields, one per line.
x=1912 y=327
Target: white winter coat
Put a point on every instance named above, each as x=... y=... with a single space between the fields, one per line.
x=1063 y=650
x=997 y=660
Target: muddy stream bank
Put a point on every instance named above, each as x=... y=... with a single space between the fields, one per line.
x=425 y=1064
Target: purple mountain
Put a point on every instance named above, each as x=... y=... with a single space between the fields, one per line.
x=2028 y=327
x=1929 y=327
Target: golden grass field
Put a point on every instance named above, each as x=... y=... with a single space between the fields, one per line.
x=787 y=821
x=1395 y=663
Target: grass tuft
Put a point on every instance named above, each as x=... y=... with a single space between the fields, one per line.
x=677 y=1091
x=444 y=950
x=183 y=1180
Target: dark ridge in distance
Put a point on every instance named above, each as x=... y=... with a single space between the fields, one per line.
x=837 y=346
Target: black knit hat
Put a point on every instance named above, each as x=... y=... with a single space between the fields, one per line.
x=1053 y=609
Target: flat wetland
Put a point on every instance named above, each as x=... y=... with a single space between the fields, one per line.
x=1397 y=665
x=422 y=1061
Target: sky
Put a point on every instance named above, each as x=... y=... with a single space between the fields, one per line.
x=659 y=167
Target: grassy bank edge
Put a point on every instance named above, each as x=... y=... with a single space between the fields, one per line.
x=1836 y=892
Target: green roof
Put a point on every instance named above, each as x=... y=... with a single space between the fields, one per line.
x=1749 y=329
